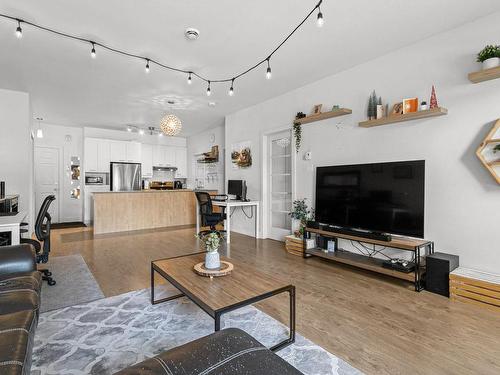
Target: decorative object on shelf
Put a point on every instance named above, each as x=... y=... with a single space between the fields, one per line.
x=372 y=106
x=170 y=125
x=18 y=22
x=489 y=146
x=297 y=130
x=302 y=213
x=489 y=56
x=211 y=243
x=241 y=155
x=380 y=108
x=433 y=102
x=317 y=109
x=397 y=109
x=210 y=157
x=335 y=107
x=410 y=105
x=423 y=106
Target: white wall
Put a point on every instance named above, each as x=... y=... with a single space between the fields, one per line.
x=462 y=199
x=69 y=142
x=16 y=148
x=200 y=143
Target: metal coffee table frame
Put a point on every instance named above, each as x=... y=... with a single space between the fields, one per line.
x=217 y=314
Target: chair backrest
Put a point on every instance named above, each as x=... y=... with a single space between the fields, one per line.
x=205 y=203
x=43 y=220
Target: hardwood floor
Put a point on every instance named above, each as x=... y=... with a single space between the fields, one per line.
x=376 y=323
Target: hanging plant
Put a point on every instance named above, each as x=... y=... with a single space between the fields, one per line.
x=297 y=130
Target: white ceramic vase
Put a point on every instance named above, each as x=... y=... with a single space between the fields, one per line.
x=492 y=62
x=212 y=260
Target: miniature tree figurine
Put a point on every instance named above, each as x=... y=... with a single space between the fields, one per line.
x=433 y=101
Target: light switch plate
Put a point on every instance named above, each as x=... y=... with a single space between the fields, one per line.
x=308 y=155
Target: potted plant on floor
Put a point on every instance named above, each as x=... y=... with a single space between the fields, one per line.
x=303 y=214
x=211 y=243
x=489 y=56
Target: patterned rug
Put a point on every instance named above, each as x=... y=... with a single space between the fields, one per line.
x=104 y=336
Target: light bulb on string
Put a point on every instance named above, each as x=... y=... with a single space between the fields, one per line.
x=208 y=89
x=268 y=71
x=19 y=30
x=189 y=79
x=147 y=66
x=231 y=90
x=92 y=52
x=320 y=21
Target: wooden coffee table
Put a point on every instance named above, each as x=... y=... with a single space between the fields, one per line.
x=216 y=296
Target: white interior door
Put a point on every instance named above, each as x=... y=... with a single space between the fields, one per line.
x=280 y=184
x=47 y=179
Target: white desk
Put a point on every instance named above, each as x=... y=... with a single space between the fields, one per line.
x=228 y=205
x=11 y=224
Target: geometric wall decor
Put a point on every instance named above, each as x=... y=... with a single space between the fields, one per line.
x=489 y=151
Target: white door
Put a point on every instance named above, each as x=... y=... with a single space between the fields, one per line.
x=280 y=184
x=47 y=179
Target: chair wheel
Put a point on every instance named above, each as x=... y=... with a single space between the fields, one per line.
x=48 y=273
x=51 y=282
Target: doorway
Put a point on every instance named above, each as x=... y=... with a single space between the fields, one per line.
x=47 y=179
x=279 y=184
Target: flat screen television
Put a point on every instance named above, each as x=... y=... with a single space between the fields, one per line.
x=379 y=197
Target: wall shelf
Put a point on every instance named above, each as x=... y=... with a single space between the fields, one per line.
x=392 y=119
x=490 y=165
x=485 y=75
x=323 y=116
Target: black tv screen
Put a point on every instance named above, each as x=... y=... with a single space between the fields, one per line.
x=382 y=197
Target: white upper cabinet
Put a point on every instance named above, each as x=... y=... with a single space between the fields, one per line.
x=103 y=152
x=164 y=156
x=147 y=160
x=181 y=162
x=91 y=155
x=118 y=150
x=158 y=156
x=133 y=152
x=170 y=155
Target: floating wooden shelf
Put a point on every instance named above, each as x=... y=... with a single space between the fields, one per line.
x=391 y=119
x=492 y=137
x=485 y=75
x=323 y=116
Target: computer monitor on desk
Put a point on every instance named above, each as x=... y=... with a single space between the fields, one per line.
x=237 y=188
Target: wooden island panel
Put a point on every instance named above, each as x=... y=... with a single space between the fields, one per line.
x=122 y=211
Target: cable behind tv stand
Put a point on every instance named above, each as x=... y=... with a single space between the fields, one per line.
x=420 y=248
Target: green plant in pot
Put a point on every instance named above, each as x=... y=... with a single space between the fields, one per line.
x=211 y=243
x=302 y=213
x=489 y=56
x=496 y=149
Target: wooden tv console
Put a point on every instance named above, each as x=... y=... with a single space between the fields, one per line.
x=420 y=248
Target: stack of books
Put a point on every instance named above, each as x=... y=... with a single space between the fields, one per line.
x=295 y=245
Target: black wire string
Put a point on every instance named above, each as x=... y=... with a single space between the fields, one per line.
x=157 y=63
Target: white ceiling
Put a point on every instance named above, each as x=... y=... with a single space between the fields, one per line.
x=67 y=87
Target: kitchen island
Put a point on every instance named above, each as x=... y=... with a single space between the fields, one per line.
x=145 y=209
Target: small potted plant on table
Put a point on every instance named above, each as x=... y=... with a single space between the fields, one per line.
x=211 y=243
x=303 y=214
x=489 y=56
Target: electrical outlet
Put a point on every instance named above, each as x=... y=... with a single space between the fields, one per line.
x=308 y=155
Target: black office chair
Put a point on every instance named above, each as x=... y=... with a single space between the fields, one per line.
x=42 y=232
x=209 y=218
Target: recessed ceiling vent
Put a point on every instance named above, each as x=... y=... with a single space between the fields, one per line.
x=191 y=34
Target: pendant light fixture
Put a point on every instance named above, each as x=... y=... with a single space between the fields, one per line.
x=208 y=89
x=189 y=78
x=170 y=125
x=19 y=31
x=320 y=21
x=268 y=72
x=147 y=66
x=231 y=90
x=39 y=131
x=92 y=51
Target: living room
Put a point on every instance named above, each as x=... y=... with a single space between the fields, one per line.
x=314 y=195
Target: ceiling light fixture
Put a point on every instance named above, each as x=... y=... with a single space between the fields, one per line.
x=141 y=131
x=170 y=125
x=129 y=129
x=39 y=131
x=320 y=21
x=19 y=31
x=268 y=71
x=190 y=33
x=147 y=66
x=231 y=90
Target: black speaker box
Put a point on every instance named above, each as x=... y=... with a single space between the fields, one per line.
x=439 y=266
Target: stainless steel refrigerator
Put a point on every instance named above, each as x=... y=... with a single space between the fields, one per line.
x=125 y=176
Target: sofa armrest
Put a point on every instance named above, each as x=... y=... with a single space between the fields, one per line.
x=18 y=258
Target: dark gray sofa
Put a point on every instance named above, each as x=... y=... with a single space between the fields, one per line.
x=20 y=285
x=227 y=352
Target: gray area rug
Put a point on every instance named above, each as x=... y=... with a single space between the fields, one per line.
x=74 y=284
x=104 y=336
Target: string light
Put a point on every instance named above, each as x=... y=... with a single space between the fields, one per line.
x=231 y=90
x=19 y=31
x=320 y=22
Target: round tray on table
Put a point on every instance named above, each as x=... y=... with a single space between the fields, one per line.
x=225 y=269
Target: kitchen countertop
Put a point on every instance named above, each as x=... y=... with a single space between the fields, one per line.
x=146 y=191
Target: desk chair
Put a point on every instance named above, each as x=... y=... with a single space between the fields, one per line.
x=209 y=218
x=42 y=232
